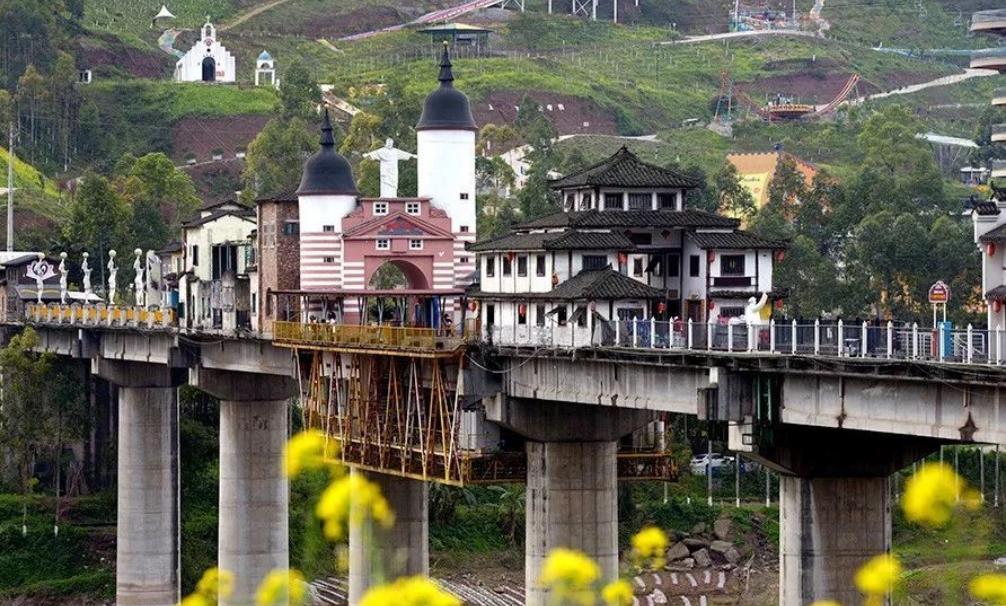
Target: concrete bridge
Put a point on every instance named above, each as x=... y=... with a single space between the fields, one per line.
x=834 y=417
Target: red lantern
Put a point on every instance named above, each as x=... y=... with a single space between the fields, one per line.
x=991 y=248
x=780 y=255
x=997 y=306
x=510 y=255
x=712 y=306
x=710 y=256
x=778 y=303
x=623 y=258
x=661 y=307
x=555 y=279
x=522 y=309
x=473 y=306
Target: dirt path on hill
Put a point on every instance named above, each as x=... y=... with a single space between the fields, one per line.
x=254 y=12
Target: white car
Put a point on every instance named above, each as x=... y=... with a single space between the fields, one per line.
x=714 y=461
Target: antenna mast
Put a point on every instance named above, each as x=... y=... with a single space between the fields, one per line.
x=10 y=190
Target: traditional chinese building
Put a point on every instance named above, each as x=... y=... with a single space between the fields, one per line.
x=624 y=248
x=346 y=242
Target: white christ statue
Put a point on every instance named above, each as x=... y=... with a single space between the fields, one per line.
x=389 y=156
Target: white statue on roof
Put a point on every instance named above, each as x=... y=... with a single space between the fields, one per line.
x=113 y=272
x=389 y=156
x=86 y=270
x=138 y=282
x=63 y=273
x=752 y=317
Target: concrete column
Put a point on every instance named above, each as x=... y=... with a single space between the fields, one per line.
x=254 y=494
x=572 y=501
x=828 y=528
x=376 y=555
x=147 y=531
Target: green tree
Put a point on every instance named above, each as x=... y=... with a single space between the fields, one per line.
x=161 y=197
x=536 y=199
x=275 y=159
x=734 y=198
x=99 y=221
x=299 y=94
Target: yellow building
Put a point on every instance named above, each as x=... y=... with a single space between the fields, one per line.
x=756 y=172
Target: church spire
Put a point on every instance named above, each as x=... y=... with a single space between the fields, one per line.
x=327 y=140
x=446 y=76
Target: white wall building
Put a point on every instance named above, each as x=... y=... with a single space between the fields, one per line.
x=624 y=250
x=207 y=60
x=990 y=235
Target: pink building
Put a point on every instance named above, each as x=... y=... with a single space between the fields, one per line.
x=345 y=240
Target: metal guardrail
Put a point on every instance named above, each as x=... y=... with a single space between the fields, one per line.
x=865 y=340
x=989 y=53
x=99 y=315
x=376 y=337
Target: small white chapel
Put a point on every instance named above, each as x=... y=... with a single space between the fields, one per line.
x=207 y=60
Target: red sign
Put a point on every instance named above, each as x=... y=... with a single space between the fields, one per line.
x=939 y=293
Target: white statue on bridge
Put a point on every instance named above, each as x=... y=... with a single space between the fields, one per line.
x=86 y=270
x=139 y=285
x=753 y=319
x=113 y=270
x=389 y=156
x=63 y=273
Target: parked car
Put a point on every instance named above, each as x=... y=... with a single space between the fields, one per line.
x=714 y=461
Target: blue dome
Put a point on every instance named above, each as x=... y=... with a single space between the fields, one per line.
x=265 y=56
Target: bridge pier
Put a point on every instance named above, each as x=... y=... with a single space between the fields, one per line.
x=572 y=502
x=834 y=506
x=572 y=479
x=147 y=562
x=401 y=551
x=254 y=492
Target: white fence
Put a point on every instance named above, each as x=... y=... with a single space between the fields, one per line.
x=866 y=340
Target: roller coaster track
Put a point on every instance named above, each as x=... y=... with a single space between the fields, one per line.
x=437 y=16
x=850 y=85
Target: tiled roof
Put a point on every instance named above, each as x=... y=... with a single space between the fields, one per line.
x=996 y=294
x=631 y=218
x=625 y=169
x=289 y=195
x=216 y=214
x=986 y=209
x=170 y=247
x=734 y=239
x=996 y=235
x=564 y=240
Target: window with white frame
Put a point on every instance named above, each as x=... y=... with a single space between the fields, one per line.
x=328 y=259
x=328 y=228
x=380 y=208
x=415 y=244
x=412 y=208
x=383 y=244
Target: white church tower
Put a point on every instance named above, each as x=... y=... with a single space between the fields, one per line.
x=445 y=144
x=207 y=60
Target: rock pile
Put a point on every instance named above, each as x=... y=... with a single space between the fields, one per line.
x=701 y=548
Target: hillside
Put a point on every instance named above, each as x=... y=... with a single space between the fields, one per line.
x=33 y=191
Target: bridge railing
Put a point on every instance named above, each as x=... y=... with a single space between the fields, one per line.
x=367 y=337
x=99 y=315
x=840 y=339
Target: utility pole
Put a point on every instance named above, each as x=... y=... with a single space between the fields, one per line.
x=10 y=189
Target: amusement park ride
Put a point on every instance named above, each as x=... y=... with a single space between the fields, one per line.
x=780 y=108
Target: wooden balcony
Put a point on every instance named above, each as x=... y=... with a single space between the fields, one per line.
x=993 y=58
x=989 y=22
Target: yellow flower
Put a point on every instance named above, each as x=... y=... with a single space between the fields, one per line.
x=281 y=586
x=989 y=588
x=877 y=577
x=932 y=493
x=570 y=575
x=306 y=451
x=214 y=584
x=649 y=546
x=352 y=499
x=617 y=593
x=409 y=591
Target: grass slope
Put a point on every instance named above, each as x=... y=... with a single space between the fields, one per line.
x=33 y=191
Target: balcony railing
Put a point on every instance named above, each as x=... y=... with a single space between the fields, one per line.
x=989 y=21
x=392 y=338
x=733 y=281
x=853 y=340
x=99 y=315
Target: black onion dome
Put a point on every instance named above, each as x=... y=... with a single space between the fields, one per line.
x=446 y=108
x=327 y=172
